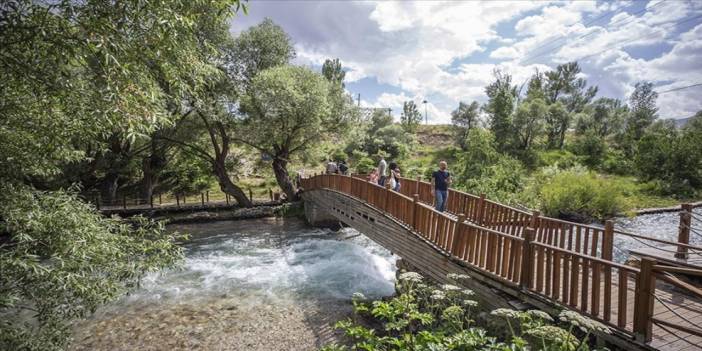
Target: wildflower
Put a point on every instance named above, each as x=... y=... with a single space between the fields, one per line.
x=553 y=334
x=505 y=312
x=541 y=315
x=585 y=324
x=438 y=295
x=468 y=292
x=470 y=303
x=457 y=277
x=449 y=287
x=411 y=277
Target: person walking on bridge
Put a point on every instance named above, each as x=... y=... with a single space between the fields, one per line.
x=382 y=170
x=440 y=181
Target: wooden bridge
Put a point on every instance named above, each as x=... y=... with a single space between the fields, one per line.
x=517 y=256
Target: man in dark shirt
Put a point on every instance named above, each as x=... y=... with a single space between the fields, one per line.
x=440 y=181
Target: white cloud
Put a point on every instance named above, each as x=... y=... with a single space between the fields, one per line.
x=426 y=49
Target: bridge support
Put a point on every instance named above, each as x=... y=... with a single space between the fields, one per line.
x=318 y=217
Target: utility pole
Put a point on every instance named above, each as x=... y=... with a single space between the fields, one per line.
x=426 y=119
x=359 y=100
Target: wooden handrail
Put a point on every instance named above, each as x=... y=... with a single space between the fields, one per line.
x=669 y=278
x=674 y=269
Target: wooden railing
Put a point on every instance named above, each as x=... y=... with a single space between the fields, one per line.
x=569 y=264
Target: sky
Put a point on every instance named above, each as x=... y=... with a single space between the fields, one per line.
x=445 y=52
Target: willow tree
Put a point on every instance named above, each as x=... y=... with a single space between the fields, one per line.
x=284 y=112
x=73 y=72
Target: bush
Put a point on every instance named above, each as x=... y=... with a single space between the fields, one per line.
x=424 y=317
x=560 y=158
x=581 y=196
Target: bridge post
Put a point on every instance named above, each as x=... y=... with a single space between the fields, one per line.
x=416 y=185
x=480 y=215
x=535 y=222
x=454 y=249
x=386 y=202
x=527 y=267
x=643 y=300
x=607 y=248
x=684 y=230
x=415 y=213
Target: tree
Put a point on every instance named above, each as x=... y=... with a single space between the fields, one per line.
x=410 y=117
x=502 y=96
x=529 y=122
x=258 y=48
x=73 y=72
x=564 y=85
x=333 y=72
x=606 y=118
x=291 y=103
x=557 y=122
x=464 y=118
x=643 y=110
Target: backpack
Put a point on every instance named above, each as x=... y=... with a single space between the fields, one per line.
x=343 y=168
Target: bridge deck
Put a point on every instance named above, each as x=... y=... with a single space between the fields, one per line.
x=548 y=262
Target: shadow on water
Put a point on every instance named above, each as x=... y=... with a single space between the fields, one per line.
x=264 y=284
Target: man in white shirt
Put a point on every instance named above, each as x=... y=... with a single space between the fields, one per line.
x=331 y=167
x=382 y=170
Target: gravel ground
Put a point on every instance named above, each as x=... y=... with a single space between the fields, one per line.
x=224 y=324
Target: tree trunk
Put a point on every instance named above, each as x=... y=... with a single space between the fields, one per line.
x=280 y=168
x=151 y=167
x=228 y=186
x=109 y=187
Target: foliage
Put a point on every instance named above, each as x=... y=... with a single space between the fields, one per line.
x=60 y=260
x=529 y=122
x=502 y=96
x=333 y=72
x=481 y=169
x=410 y=117
x=592 y=147
x=642 y=103
x=674 y=157
x=392 y=140
x=292 y=101
x=563 y=85
x=464 y=118
x=581 y=196
x=424 y=317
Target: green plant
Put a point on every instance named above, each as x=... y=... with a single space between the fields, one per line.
x=425 y=317
x=581 y=196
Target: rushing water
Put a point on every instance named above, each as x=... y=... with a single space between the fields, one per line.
x=659 y=225
x=257 y=285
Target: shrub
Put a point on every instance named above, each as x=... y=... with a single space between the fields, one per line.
x=423 y=317
x=580 y=196
x=560 y=158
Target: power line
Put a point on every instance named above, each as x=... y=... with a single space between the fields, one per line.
x=621 y=44
x=618 y=22
x=563 y=37
x=679 y=88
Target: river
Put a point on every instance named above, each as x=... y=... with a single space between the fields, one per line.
x=660 y=225
x=265 y=284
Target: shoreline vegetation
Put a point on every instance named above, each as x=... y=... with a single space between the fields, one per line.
x=424 y=316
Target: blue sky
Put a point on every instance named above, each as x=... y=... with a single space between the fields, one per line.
x=446 y=51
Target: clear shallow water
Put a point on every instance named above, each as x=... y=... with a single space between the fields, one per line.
x=242 y=281
x=660 y=226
